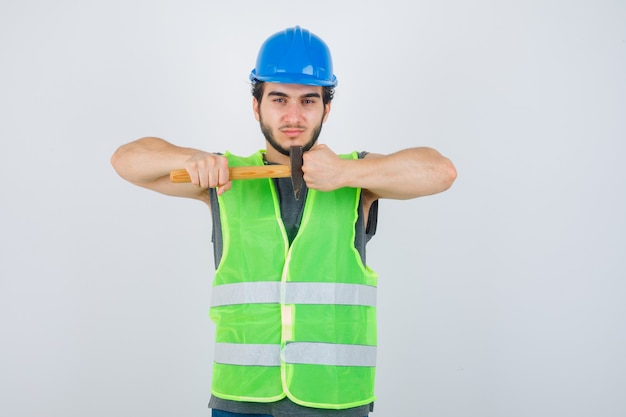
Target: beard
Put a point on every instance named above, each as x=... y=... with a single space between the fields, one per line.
x=267 y=132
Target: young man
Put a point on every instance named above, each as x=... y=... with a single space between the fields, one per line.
x=293 y=300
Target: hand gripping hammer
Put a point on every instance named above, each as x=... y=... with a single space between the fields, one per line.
x=293 y=170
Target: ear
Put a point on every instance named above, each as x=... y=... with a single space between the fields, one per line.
x=255 y=109
x=326 y=112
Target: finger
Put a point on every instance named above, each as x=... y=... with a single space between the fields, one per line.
x=224 y=174
x=208 y=177
x=222 y=189
x=193 y=176
x=212 y=178
x=218 y=175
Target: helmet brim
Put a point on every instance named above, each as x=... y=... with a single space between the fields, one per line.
x=285 y=78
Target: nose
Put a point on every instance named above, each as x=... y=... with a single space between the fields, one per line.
x=293 y=113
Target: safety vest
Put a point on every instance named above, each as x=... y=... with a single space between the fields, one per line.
x=296 y=321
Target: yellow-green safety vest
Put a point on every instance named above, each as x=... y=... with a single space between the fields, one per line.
x=293 y=321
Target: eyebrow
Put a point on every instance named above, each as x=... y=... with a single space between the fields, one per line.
x=281 y=94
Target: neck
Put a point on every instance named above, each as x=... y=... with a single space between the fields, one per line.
x=272 y=155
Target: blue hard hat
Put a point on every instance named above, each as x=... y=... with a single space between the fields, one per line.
x=295 y=56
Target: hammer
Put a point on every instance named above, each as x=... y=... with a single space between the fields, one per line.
x=293 y=170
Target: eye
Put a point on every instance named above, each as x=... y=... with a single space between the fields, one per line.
x=279 y=100
x=308 y=101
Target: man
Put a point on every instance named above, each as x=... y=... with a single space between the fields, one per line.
x=292 y=299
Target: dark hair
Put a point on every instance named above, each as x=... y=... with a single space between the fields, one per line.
x=257 y=92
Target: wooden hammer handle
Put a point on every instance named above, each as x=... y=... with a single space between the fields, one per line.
x=240 y=173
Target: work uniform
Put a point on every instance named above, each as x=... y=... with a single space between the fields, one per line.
x=291 y=213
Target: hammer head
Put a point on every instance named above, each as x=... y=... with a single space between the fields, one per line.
x=297 y=176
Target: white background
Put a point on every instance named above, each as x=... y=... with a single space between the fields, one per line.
x=502 y=297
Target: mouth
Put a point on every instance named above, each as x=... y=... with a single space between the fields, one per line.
x=292 y=132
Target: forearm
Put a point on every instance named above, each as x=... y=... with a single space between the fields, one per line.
x=146 y=160
x=406 y=174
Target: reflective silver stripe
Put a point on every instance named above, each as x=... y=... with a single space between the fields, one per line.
x=247 y=354
x=330 y=293
x=295 y=353
x=329 y=354
x=246 y=293
x=295 y=293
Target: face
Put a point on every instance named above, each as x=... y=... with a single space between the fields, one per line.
x=290 y=115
